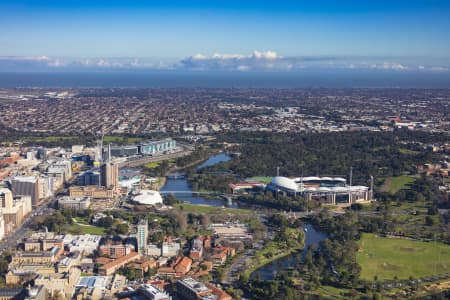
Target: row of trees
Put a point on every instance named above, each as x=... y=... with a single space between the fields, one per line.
x=379 y=154
x=278 y=201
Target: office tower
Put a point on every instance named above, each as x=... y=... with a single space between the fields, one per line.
x=98 y=153
x=142 y=236
x=89 y=178
x=6 y=198
x=46 y=186
x=26 y=186
x=41 y=153
x=109 y=173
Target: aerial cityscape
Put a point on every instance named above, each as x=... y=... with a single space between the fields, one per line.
x=149 y=152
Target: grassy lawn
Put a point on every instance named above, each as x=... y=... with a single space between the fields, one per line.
x=394 y=184
x=152 y=165
x=121 y=139
x=263 y=179
x=81 y=220
x=329 y=292
x=206 y=209
x=387 y=258
x=49 y=138
x=86 y=229
x=408 y=151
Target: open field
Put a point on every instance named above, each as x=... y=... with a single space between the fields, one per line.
x=86 y=229
x=390 y=257
x=393 y=184
x=121 y=139
x=47 y=139
x=264 y=179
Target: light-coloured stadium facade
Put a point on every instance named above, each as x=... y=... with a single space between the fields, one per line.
x=144 y=148
x=327 y=189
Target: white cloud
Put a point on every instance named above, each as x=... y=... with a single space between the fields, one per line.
x=265 y=55
x=439 y=69
x=389 y=66
x=257 y=60
x=254 y=61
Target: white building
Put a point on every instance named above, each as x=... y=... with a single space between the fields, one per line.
x=328 y=189
x=153 y=250
x=152 y=292
x=170 y=249
x=148 y=197
x=85 y=243
x=74 y=203
x=77 y=148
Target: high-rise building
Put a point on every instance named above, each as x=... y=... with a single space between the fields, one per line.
x=109 y=173
x=64 y=167
x=26 y=186
x=89 y=178
x=98 y=153
x=12 y=210
x=46 y=187
x=41 y=153
x=142 y=236
x=6 y=198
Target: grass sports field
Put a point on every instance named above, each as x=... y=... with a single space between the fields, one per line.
x=390 y=257
x=264 y=179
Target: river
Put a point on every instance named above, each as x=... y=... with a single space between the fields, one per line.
x=214 y=159
x=181 y=185
x=268 y=272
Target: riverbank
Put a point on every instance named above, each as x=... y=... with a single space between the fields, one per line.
x=158 y=184
x=197 y=162
x=269 y=248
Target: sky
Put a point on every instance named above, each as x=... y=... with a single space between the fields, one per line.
x=231 y=35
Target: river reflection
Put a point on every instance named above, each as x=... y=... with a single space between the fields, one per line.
x=178 y=186
x=269 y=271
x=214 y=159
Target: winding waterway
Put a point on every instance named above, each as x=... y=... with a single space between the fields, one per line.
x=266 y=272
x=182 y=190
x=269 y=271
x=214 y=159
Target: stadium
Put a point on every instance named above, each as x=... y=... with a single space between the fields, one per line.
x=331 y=190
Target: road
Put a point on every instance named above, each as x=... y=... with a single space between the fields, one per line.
x=10 y=241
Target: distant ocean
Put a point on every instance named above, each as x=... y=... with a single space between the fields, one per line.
x=307 y=79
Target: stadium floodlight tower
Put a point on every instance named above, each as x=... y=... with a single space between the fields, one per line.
x=371 y=188
x=350 y=186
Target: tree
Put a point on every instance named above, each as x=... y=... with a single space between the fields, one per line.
x=181 y=220
x=122 y=228
x=204 y=220
x=105 y=222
